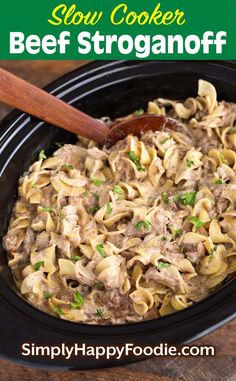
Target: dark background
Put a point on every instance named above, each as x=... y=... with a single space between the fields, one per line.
x=220 y=367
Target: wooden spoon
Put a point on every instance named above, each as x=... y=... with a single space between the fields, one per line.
x=26 y=97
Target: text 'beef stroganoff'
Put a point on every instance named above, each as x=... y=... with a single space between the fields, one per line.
x=134 y=232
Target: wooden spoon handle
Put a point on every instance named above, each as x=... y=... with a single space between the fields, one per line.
x=28 y=98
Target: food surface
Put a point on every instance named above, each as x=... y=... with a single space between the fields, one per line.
x=134 y=232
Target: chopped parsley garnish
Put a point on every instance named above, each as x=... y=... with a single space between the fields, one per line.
x=213 y=252
x=162 y=265
x=94 y=209
x=48 y=209
x=189 y=198
x=197 y=223
x=42 y=155
x=96 y=196
x=139 y=112
x=117 y=189
x=59 y=145
x=177 y=198
x=100 y=313
x=163 y=238
x=143 y=224
x=57 y=310
x=37 y=265
x=165 y=198
x=76 y=258
x=98 y=284
x=68 y=166
x=96 y=182
x=175 y=233
x=223 y=159
x=85 y=193
x=108 y=208
x=100 y=249
x=136 y=160
x=190 y=163
x=165 y=140
x=96 y=206
x=78 y=300
x=34 y=186
x=234 y=129
x=47 y=295
x=220 y=181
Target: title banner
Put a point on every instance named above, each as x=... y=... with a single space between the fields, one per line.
x=125 y=29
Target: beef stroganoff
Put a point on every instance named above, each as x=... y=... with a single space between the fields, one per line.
x=134 y=232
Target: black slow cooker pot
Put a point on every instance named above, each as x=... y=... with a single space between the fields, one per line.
x=100 y=89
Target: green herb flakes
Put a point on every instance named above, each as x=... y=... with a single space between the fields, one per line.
x=162 y=265
x=177 y=198
x=57 y=310
x=135 y=159
x=76 y=258
x=220 y=181
x=175 y=233
x=37 y=265
x=48 y=209
x=108 y=209
x=223 y=159
x=118 y=190
x=100 y=249
x=78 y=300
x=190 y=163
x=47 y=295
x=143 y=224
x=68 y=166
x=139 y=112
x=100 y=313
x=189 y=198
x=96 y=197
x=165 y=198
x=42 y=155
x=197 y=223
x=94 y=209
x=98 y=284
x=96 y=182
